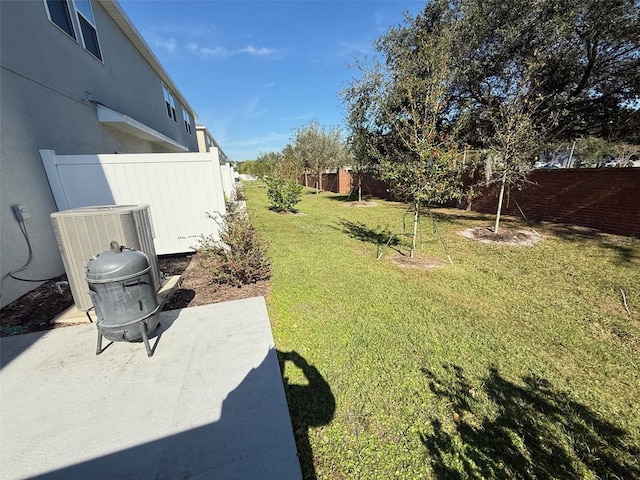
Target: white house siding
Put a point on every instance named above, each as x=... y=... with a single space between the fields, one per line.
x=47 y=85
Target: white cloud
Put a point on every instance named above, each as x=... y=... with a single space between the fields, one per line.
x=217 y=51
x=296 y=118
x=351 y=48
x=250 y=108
x=169 y=44
x=259 y=52
x=250 y=148
x=207 y=52
x=379 y=20
x=264 y=142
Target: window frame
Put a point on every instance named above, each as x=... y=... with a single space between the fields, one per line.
x=187 y=121
x=69 y=13
x=91 y=22
x=170 y=103
x=76 y=17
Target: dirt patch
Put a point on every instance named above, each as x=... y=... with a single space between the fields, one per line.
x=421 y=262
x=34 y=311
x=293 y=214
x=197 y=289
x=363 y=203
x=505 y=236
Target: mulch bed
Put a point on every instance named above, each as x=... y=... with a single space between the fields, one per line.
x=34 y=311
x=363 y=203
x=419 y=261
x=505 y=236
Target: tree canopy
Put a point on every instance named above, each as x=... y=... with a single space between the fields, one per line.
x=503 y=76
x=312 y=148
x=577 y=61
x=580 y=57
x=317 y=149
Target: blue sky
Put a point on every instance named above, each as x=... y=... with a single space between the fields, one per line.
x=256 y=70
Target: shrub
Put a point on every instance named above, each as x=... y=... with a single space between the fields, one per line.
x=239 y=258
x=283 y=195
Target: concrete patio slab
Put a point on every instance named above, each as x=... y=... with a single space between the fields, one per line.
x=209 y=404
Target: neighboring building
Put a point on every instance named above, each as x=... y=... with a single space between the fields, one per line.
x=77 y=78
x=206 y=141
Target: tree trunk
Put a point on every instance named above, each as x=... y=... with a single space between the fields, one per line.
x=488 y=170
x=571 y=154
x=500 y=197
x=359 y=188
x=416 y=219
x=319 y=181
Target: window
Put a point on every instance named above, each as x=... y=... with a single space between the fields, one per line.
x=170 y=103
x=76 y=16
x=187 y=121
x=60 y=14
x=88 y=27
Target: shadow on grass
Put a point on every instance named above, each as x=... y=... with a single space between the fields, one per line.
x=536 y=432
x=311 y=405
x=291 y=211
x=352 y=197
x=627 y=249
x=343 y=198
x=377 y=236
x=466 y=217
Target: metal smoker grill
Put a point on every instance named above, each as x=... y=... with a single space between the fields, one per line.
x=122 y=291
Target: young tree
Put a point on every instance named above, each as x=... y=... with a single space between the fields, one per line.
x=515 y=140
x=319 y=149
x=396 y=112
x=360 y=100
x=262 y=166
x=288 y=166
x=625 y=153
x=283 y=195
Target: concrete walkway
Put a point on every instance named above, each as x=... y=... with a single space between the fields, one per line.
x=209 y=404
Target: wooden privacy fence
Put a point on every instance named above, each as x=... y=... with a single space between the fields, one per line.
x=180 y=188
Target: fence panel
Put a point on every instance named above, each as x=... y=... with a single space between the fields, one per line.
x=180 y=188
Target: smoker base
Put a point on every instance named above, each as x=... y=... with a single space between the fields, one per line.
x=131 y=333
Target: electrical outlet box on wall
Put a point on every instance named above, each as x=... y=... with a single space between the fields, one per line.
x=21 y=212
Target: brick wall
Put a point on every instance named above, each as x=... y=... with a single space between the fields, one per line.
x=373 y=186
x=607 y=199
x=339 y=182
x=342 y=182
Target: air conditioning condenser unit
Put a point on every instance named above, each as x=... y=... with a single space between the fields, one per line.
x=83 y=232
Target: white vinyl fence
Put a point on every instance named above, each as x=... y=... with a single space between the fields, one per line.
x=228 y=181
x=180 y=188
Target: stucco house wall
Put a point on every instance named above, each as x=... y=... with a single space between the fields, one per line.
x=51 y=88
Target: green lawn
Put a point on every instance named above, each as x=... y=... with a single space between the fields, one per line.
x=515 y=362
